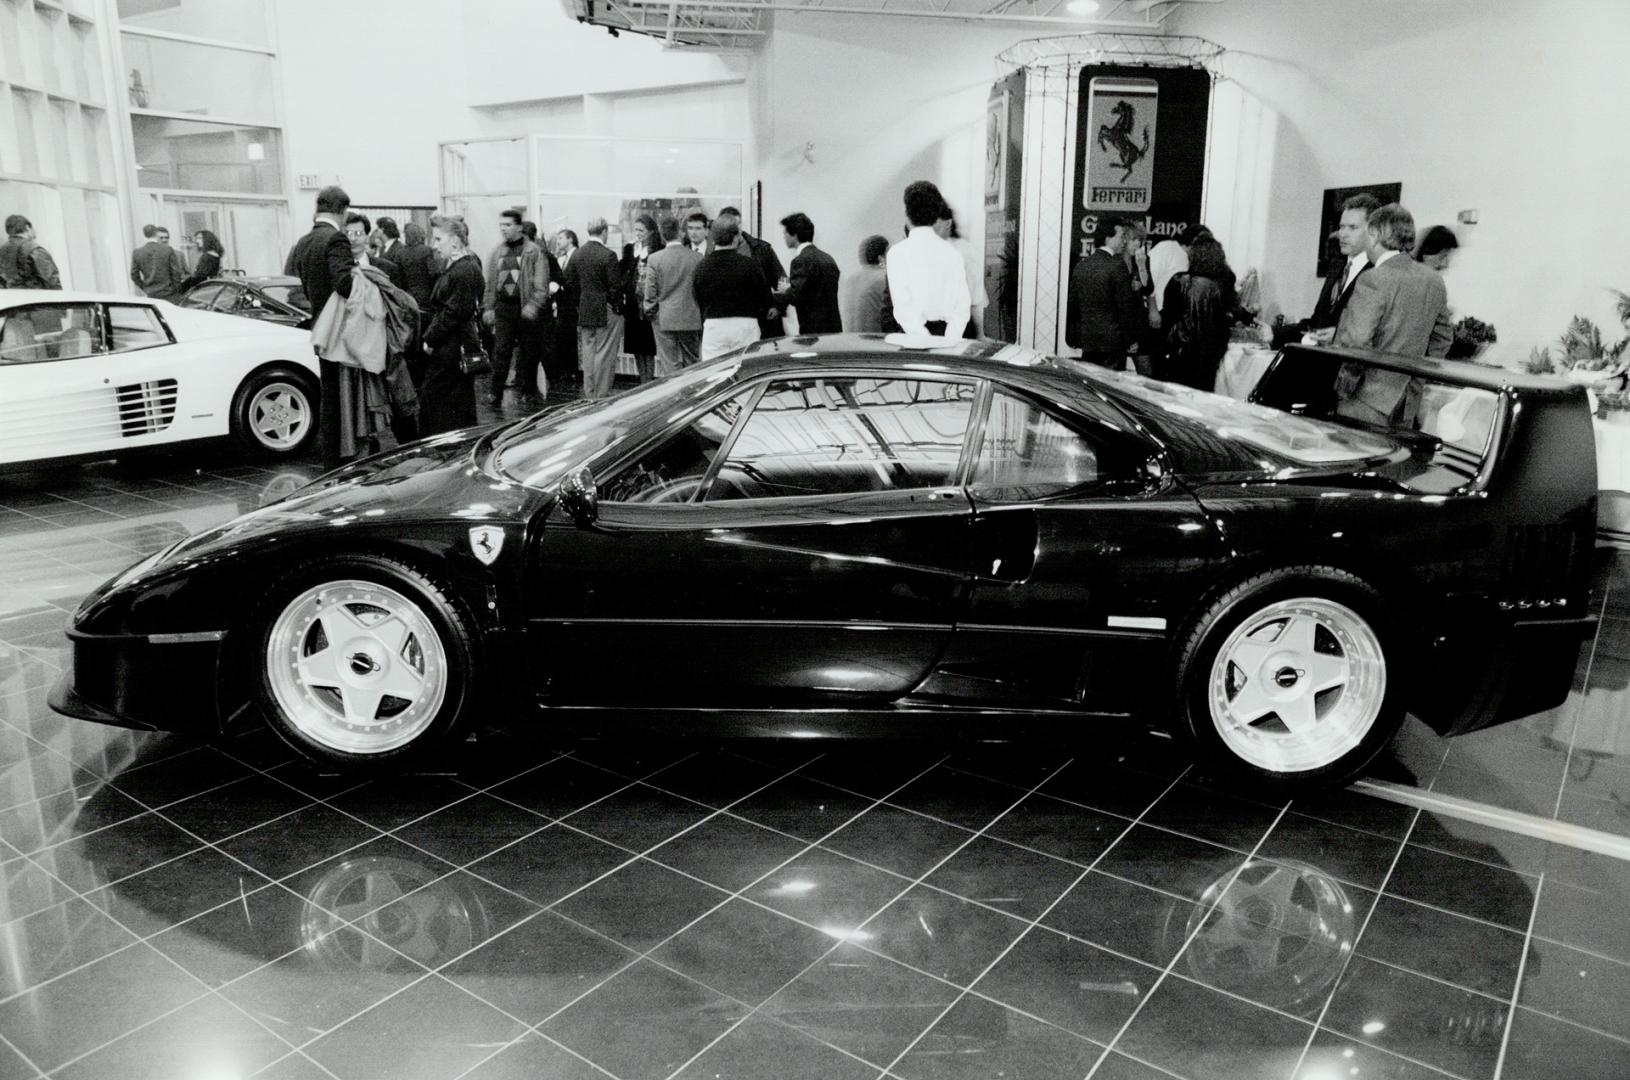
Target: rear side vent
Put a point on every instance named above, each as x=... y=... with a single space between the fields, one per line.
x=146 y=407
x=1543 y=567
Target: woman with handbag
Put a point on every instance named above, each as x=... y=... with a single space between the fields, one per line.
x=452 y=341
x=638 y=338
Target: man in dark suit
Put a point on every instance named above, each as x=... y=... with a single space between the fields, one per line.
x=1401 y=306
x=1352 y=238
x=322 y=261
x=358 y=231
x=593 y=278
x=1104 y=315
x=157 y=268
x=565 y=376
x=769 y=264
x=417 y=262
x=814 y=285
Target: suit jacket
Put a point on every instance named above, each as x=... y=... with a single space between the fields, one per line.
x=391 y=269
x=592 y=277
x=1398 y=307
x=1105 y=314
x=322 y=261
x=158 y=270
x=669 y=274
x=419 y=270
x=1334 y=297
x=814 y=292
x=565 y=299
x=769 y=264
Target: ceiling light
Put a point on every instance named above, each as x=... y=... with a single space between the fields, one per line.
x=1082 y=7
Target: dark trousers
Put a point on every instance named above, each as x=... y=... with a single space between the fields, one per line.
x=328 y=414
x=563 y=369
x=1114 y=360
x=511 y=332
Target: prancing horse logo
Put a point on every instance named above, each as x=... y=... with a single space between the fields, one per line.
x=486 y=541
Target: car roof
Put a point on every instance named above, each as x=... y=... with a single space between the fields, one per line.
x=19 y=297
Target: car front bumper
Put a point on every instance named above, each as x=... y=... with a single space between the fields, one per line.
x=157 y=682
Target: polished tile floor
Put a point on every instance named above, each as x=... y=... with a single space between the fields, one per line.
x=764 y=910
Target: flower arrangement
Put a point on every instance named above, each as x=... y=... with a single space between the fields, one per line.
x=1472 y=336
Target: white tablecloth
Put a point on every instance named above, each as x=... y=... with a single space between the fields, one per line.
x=1242 y=365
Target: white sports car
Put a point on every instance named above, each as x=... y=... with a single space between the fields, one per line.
x=95 y=374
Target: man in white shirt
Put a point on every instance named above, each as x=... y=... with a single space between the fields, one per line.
x=1167 y=259
x=928 y=282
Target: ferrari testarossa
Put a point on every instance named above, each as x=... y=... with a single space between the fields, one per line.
x=856 y=534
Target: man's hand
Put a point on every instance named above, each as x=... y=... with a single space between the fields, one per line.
x=488 y=318
x=529 y=312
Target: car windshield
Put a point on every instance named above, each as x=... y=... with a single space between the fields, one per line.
x=1297 y=439
x=280 y=293
x=540 y=451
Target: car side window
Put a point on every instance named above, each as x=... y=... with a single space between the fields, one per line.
x=135 y=326
x=202 y=297
x=41 y=332
x=846 y=434
x=672 y=471
x=1028 y=453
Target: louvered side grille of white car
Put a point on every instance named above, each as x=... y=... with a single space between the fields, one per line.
x=40 y=427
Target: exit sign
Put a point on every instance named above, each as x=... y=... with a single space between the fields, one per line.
x=308 y=180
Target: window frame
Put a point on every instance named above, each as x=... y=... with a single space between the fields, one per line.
x=107 y=326
x=756 y=387
x=1103 y=448
x=99 y=333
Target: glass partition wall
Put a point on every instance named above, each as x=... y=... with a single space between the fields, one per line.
x=563 y=180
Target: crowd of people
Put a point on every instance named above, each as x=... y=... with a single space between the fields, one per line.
x=1171 y=310
x=558 y=313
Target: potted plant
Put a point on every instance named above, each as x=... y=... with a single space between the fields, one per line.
x=1472 y=338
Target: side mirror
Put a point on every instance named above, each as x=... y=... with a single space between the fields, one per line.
x=580 y=498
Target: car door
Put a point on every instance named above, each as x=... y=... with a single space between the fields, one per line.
x=801 y=540
x=1077 y=540
x=57 y=397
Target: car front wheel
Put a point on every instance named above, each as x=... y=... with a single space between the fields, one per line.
x=275 y=413
x=364 y=663
x=1286 y=682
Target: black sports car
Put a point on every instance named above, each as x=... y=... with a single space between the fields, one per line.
x=855 y=534
x=270 y=299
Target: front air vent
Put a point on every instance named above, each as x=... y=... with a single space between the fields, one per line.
x=1543 y=566
x=146 y=408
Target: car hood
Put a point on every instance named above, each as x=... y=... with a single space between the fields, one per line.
x=434 y=480
x=195 y=325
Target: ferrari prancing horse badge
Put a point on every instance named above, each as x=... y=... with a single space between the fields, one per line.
x=486 y=541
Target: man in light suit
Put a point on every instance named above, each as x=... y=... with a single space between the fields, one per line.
x=814 y=284
x=1399 y=306
x=670 y=302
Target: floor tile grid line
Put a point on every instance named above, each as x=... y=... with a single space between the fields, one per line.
x=1516 y=991
x=1573 y=736
x=1187 y=941
x=465 y=868
x=39 y=1073
x=1033 y=923
x=647 y=954
x=532 y=1033
x=294 y=1055
x=1335 y=986
x=839 y=943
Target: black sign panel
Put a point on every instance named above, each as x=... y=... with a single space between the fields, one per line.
x=1004 y=172
x=1140 y=150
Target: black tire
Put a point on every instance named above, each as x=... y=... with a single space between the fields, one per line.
x=442 y=614
x=272 y=387
x=1208 y=633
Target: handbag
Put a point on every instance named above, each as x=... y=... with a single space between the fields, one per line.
x=472 y=359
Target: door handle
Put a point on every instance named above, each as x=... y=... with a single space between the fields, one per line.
x=944 y=493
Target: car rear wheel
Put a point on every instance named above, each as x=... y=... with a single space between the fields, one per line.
x=364 y=662
x=275 y=413
x=1286 y=682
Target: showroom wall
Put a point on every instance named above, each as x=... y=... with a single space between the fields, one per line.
x=1516 y=111
x=885 y=101
x=481 y=68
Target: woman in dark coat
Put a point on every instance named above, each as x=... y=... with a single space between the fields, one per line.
x=447 y=398
x=209 y=259
x=637 y=336
x=1195 y=316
